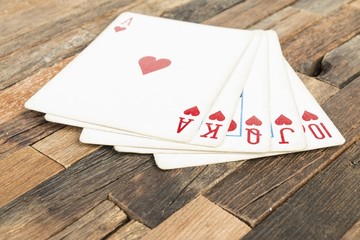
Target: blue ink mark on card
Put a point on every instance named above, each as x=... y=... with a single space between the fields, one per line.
x=240 y=120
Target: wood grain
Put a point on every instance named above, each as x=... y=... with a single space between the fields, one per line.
x=132 y=230
x=23 y=170
x=312 y=213
x=24 y=130
x=153 y=195
x=64 y=146
x=66 y=197
x=21 y=64
x=12 y=99
x=199 y=10
x=353 y=232
x=200 y=219
x=320 y=6
x=247 y=13
x=96 y=224
x=259 y=186
x=288 y=22
x=341 y=65
x=321 y=91
x=355 y=3
x=305 y=50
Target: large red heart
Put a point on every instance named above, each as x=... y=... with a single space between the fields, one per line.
x=282 y=120
x=253 y=121
x=194 y=111
x=307 y=116
x=149 y=64
x=232 y=126
x=119 y=29
x=217 y=116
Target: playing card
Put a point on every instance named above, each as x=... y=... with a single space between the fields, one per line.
x=287 y=132
x=257 y=104
x=214 y=127
x=319 y=131
x=146 y=75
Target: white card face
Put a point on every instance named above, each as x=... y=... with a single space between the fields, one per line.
x=320 y=132
x=286 y=128
x=145 y=75
x=257 y=104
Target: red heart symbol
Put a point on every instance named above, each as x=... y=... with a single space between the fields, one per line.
x=232 y=126
x=194 y=111
x=149 y=64
x=307 y=116
x=253 y=121
x=217 y=116
x=282 y=120
x=118 y=28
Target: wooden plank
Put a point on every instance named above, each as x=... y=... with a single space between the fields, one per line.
x=65 y=198
x=133 y=230
x=153 y=195
x=320 y=90
x=12 y=99
x=24 y=130
x=247 y=13
x=200 y=219
x=353 y=232
x=64 y=146
x=342 y=65
x=355 y=3
x=23 y=170
x=320 y=6
x=26 y=62
x=323 y=209
x=259 y=186
x=199 y=10
x=305 y=50
x=95 y=224
x=288 y=22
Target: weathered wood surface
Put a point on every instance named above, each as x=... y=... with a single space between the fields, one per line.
x=320 y=6
x=132 y=230
x=288 y=22
x=200 y=219
x=305 y=50
x=22 y=171
x=313 y=211
x=153 y=195
x=320 y=90
x=254 y=196
x=319 y=37
x=246 y=14
x=353 y=232
x=63 y=199
x=96 y=224
x=64 y=147
x=339 y=66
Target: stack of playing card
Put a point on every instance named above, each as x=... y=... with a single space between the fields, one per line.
x=191 y=94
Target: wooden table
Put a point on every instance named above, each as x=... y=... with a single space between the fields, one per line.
x=53 y=186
